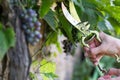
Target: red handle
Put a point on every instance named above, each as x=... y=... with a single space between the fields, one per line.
x=93 y=42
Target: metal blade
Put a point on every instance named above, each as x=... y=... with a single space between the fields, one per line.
x=68 y=16
x=73 y=11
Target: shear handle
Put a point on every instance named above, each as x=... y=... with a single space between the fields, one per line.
x=87 y=38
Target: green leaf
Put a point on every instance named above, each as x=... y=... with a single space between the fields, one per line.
x=92 y=17
x=47 y=70
x=116 y=26
x=46 y=66
x=7 y=40
x=66 y=28
x=89 y=14
x=113 y=11
x=104 y=2
x=35 y=63
x=53 y=38
x=3 y=45
x=116 y=2
x=1 y=26
x=10 y=37
x=59 y=47
x=50 y=18
x=44 y=61
x=51 y=75
x=33 y=76
x=45 y=7
x=105 y=25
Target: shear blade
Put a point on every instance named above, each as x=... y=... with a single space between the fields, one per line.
x=68 y=16
x=72 y=20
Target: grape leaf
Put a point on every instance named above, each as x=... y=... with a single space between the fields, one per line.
x=113 y=11
x=116 y=26
x=53 y=38
x=1 y=26
x=50 y=75
x=47 y=69
x=116 y=2
x=59 y=47
x=51 y=20
x=7 y=40
x=3 y=44
x=89 y=14
x=66 y=27
x=45 y=7
x=33 y=76
x=105 y=25
x=10 y=37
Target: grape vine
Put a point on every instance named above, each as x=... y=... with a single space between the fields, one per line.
x=31 y=26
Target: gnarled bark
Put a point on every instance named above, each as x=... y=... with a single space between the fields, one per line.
x=17 y=61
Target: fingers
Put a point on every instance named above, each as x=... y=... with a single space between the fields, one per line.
x=91 y=57
x=106 y=77
x=86 y=49
x=98 y=57
x=94 y=58
x=114 y=71
x=88 y=53
x=109 y=78
x=117 y=78
x=93 y=51
x=96 y=50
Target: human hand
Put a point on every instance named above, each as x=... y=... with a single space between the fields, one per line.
x=109 y=46
x=111 y=72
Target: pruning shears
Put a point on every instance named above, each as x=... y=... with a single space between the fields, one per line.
x=83 y=27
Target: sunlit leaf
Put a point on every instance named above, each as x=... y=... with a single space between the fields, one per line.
x=113 y=11
x=47 y=70
x=59 y=47
x=50 y=75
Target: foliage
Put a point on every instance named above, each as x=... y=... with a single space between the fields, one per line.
x=33 y=76
x=50 y=18
x=7 y=40
x=46 y=69
x=45 y=6
x=102 y=15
